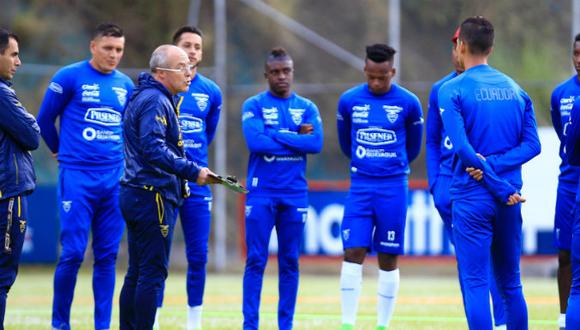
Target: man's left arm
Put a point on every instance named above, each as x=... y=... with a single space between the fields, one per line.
x=306 y=140
x=414 y=130
x=20 y=125
x=528 y=148
x=213 y=116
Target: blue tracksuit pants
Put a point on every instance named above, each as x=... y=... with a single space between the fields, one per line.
x=195 y=214
x=288 y=215
x=13 y=215
x=88 y=201
x=442 y=200
x=487 y=232
x=150 y=222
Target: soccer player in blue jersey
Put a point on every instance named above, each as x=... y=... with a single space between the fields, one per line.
x=19 y=134
x=439 y=172
x=380 y=126
x=199 y=110
x=573 y=156
x=89 y=99
x=490 y=122
x=562 y=102
x=280 y=128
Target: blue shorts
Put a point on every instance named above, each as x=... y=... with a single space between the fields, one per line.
x=564 y=217
x=376 y=214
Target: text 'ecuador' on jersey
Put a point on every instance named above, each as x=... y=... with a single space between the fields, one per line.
x=90 y=105
x=561 y=104
x=271 y=126
x=199 y=111
x=381 y=134
x=485 y=112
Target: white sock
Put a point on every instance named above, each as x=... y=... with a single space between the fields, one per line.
x=387 y=296
x=156 y=324
x=562 y=321
x=501 y=327
x=194 y=317
x=350 y=284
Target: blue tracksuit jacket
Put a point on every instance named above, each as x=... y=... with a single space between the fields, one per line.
x=19 y=133
x=154 y=156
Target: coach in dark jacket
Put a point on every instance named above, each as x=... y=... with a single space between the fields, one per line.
x=153 y=183
x=19 y=133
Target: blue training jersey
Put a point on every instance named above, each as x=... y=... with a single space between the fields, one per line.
x=486 y=112
x=561 y=104
x=90 y=105
x=271 y=125
x=573 y=139
x=199 y=111
x=381 y=134
x=439 y=148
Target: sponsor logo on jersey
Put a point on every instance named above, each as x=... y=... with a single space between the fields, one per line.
x=271 y=158
x=270 y=116
x=191 y=144
x=190 y=124
x=365 y=107
x=55 y=87
x=91 y=134
x=296 y=115
x=201 y=100
x=91 y=93
x=121 y=95
x=103 y=116
x=392 y=112
x=66 y=205
x=375 y=136
x=362 y=152
x=566 y=105
x=22 y=225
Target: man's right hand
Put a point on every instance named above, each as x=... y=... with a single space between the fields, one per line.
x=306 y=129
x=204 y=177
x=515 y=198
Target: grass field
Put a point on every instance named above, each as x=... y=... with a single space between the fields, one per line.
x=423 y=303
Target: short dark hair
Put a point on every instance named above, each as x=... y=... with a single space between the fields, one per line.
x=278 y=54
x=380 y=53
x=577 y=38
x=477 y=32
x=185 y=29
x=108 y=30
x=5 y=36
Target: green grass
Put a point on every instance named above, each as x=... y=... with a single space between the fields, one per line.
x=423 y=303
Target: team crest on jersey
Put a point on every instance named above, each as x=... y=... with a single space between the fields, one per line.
x=22 y=225
x=164 y=230
x=346 y=234
x=248 y=210
x=392 y=112
x=201 y=100
x=121 y=95
x=296 y=115
x=66 y=205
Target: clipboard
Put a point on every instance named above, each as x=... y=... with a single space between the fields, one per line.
x=231 y=183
